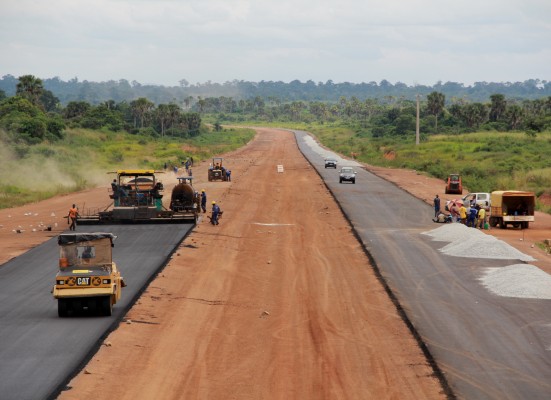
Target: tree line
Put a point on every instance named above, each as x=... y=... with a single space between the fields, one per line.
x=34 y=114
x=329 y=91
x=384 y=118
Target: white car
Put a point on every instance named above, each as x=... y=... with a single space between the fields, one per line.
x=482 y=199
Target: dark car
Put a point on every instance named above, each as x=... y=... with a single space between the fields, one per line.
x=330 y=163
x=347 y=174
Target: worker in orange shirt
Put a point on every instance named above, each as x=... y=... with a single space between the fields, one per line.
x=72 y=217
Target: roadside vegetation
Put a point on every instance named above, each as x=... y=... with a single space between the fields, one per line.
x=503 y=143
x=50 y=152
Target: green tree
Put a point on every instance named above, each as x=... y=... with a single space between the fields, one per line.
x=162 y=116
x=474 y=114
x=498 y=106
x=514 y=115
x=76 y=109
x=30 y=88
x=140 y=108
x=49 y=101
x=435 y=106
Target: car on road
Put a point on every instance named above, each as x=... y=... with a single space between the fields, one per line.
x=330 y=163
x=347 y=174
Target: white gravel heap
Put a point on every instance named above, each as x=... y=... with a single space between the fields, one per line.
x=519 y=280
x=473 y=243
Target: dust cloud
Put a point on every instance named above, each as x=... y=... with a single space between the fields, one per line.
x=41 y=173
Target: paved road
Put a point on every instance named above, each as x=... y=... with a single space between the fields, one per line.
x=38 y=350
x=488 y=347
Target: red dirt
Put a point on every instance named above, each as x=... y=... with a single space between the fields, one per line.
x=278 y=301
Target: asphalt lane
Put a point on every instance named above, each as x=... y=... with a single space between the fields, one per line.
x=487 y=346
x=38 y=350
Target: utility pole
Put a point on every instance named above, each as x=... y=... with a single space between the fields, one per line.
x=417 y=123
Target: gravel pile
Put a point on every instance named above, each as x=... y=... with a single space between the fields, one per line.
x=519 y=280
x=472 y=243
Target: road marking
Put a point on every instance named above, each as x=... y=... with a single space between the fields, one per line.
x=271 y=224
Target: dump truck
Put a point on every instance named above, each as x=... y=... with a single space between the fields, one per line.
x=512 y=207
x=88 y=279
x=136 y=197
x=217 y=172
x=454 y=184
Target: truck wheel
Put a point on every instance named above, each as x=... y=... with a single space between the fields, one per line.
x=502 y=224
x=525 y=225
x=63 y=308
x=340 y=180
x=107 y=305
x=493 y=222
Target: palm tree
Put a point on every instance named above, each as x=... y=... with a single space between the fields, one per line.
x=435 y=106
x=162 y=114
x=140 y=108
x=30 y=88
x=498 y=107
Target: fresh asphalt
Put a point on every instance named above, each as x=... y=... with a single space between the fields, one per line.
x=39 y=351
x=482 y=346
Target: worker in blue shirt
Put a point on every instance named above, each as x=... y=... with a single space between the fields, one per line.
x=215 y=213
x=203 y=201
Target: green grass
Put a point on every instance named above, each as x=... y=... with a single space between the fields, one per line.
x=82 y=160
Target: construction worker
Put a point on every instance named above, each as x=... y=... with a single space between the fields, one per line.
x=215 y=213
x=203 y=201
x=72 y=217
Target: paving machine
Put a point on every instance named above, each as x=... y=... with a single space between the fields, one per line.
x=137 y=197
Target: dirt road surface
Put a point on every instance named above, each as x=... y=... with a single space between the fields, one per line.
x=278 y=301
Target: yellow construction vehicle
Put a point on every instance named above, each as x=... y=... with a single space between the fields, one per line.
x=512 y=207
x=217 y=172
x=88 y=279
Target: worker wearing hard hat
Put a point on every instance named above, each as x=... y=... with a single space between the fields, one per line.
x=203 y=201
x=215 y=213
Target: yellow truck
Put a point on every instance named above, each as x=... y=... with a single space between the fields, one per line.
x=88 y=279
x=512 y=207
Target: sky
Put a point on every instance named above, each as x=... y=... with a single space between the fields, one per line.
x=163 y=42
